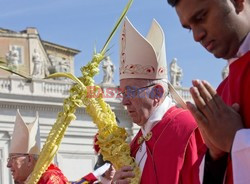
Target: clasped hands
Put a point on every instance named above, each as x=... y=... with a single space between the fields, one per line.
x=217 y=121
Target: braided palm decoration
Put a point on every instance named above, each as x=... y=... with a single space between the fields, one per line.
x=111 y=138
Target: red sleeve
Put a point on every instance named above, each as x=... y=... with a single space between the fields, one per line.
x=52 y=177
x=194 y=154
x=90 y=177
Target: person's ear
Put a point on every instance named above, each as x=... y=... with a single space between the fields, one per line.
x=239 y=5
x=157 y=92
x=29 y=160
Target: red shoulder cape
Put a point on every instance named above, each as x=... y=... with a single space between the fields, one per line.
x=166 y=150
x=53 y=175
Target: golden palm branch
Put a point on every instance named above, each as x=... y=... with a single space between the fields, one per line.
x=111 y=138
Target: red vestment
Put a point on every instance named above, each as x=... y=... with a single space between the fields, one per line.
x=53 y=175
x=236 y=89
x=175 y=150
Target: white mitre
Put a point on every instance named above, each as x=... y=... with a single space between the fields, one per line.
x=145 y=58
x=141 y=57
x=26 y=137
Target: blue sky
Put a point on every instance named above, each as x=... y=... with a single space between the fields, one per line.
x=82 y=24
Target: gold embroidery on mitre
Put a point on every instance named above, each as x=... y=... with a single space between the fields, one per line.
x=123 y=53
x=138 y=69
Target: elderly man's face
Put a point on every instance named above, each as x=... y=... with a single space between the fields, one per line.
x=20 y=166
x=138 y=102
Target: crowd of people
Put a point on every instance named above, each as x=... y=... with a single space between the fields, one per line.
x=207 y=143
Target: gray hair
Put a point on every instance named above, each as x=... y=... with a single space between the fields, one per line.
x=162 y=82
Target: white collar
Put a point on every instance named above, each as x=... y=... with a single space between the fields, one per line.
x=157 y=115
x=244 y=48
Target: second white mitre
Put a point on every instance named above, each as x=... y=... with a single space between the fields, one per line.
x=26 y=137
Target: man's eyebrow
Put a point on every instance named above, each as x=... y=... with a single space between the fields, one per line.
x=185 y=27
x=193 y=18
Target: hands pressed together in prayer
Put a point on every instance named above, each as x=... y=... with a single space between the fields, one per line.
x=217 y=121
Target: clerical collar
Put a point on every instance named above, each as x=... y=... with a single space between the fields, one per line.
x=157 y=115
x=244 y=48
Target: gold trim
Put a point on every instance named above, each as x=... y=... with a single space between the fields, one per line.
x=146 y=138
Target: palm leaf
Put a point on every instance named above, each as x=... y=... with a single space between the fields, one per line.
x=116 y=26
x=67 y=75
x=6 y=68
x=2 y=60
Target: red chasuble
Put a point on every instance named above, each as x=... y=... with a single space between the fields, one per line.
x=175 y=150
x=53 y=175
x=236 y=89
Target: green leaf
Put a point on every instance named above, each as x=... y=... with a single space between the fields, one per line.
x=2 y=60
x=67 y=75
x=14 y=72
x=116 y=26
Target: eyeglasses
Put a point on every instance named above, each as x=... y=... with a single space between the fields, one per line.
x=132 y=92
x=14 y=157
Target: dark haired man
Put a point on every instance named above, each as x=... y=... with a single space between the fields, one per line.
x=222 y=28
